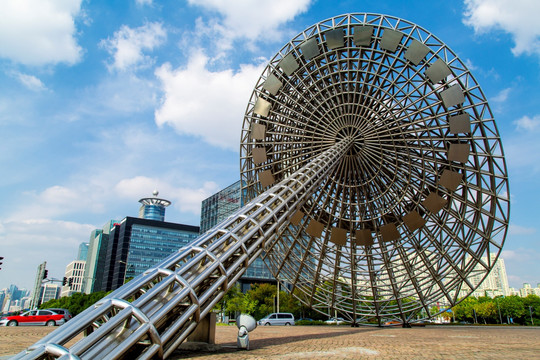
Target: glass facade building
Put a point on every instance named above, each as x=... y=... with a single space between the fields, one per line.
x=219 y=207
x=153 y=208
x=136 y=245
x=83 y=251
x=151 y=244
x=95 y=259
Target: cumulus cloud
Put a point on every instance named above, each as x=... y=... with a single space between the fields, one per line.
x=210 y=105
x=57 y=201
x=250 y=19
x=518 y=18
x=184 y=198
x=39 y=32
x=128 y=45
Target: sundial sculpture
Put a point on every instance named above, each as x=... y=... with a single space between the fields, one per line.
x=378 y=188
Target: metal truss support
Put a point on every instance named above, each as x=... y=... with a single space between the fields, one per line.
x=153 y=314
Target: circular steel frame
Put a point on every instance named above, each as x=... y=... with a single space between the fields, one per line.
x=417 y=207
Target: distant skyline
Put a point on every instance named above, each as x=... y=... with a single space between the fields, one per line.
x=101 y=103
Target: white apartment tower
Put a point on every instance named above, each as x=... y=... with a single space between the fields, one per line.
x=496 y=283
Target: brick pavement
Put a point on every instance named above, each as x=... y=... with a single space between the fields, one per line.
x=342 y=342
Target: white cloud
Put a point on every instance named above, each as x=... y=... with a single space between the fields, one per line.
x=527 y=124
x=520 y=264
x=520 y=230
x=29 y=81
x=183 y=198
x=206 y=104
x=127 y=45
x=28 y=242
x=58 y=201
x=524 y=140
x=518 y=18
x=502 y=96
x=250 y=19
x=39 y=32
x=143 y=2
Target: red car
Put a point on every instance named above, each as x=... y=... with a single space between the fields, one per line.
x=34 y=317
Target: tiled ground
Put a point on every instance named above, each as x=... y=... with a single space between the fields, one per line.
x=324 y=342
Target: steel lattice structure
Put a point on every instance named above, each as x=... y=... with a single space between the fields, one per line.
x=378 y=186
x=418 y=205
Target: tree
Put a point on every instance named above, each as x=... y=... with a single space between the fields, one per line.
x=512 y=307
x=221 y=306
x=76 y=303
x=487 y=310
x=241 y=304
x=532 y=309
x=264 y=295
x=464 y=311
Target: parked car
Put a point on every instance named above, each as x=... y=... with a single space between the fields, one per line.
x=393 y=323
x=277 y=319
x=34 y=317
x=336 y=321
x=65 y=312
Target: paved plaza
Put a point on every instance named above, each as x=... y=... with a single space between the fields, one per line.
x=342 y=342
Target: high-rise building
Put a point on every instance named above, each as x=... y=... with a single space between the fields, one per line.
x=153 y=208
x=219 y=207
x=527 y=290
x=50 y=291
x=495 y=284
x=83 y=251
x=36 y=293
x=95 y=261
x=74 y=276
x=137 y=244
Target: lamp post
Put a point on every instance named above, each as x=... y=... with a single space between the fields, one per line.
x=498 y=308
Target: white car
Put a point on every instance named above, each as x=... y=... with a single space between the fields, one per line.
x=336 y=321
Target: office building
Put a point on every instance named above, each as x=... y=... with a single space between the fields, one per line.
x=138 y=244
x=95 y=261
x=219 y=207
x=36 y=292
x=83 y=251
x=50 y=291
x=74 y=277
x=153 y=208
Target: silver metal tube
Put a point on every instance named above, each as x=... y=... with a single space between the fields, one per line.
x=182 y=277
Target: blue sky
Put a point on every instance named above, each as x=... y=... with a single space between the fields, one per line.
x=102 y=102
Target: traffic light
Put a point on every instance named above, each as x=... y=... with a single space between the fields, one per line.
x=64 y=281
x=1 y=258
x=70 y=282
x=45 y=274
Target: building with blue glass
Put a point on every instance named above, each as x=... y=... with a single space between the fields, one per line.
x=95 y=258
x=153 y=208
x=219 y=207
x=136 y=245
x=83 y=251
